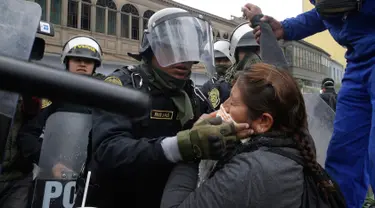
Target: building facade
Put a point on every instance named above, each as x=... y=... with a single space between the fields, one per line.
x=325 y=41
x=309 y=64
x=337 y=71
x=118 y=26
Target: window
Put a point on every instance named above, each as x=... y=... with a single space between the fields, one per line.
x=125 y=27
x=299 y=57
x=100 y=15
x=43 y=4
x=55 y=15
x=225 y=36
x=147 y=16
x=308 y=60
x=112 y=13
x=129 y=11
x=304 y=58
x=288 y=51
x=86 y=15
x=72 y=13
x=218 y=35
x=315 y=61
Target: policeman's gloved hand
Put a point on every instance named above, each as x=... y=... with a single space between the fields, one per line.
x=208 y=139
x=208 y=119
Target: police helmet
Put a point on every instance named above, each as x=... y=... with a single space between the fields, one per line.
x=242 y=36
x=82 y=47
x=328 y=83
x=175 y=36
x=221 y=50
x=152 y=21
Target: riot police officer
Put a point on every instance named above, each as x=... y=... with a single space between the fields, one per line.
x=244 y=48
x=243 y=51
x=130 y=160
x=216 y=90
x=81 y=55
x=15 y=173
x=328 y=92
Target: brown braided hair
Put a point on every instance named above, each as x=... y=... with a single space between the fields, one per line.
x=266 y=89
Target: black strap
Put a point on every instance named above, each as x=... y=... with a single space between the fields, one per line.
x=271 y=140
x=287 y=155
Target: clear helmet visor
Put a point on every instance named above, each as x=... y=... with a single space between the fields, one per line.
x=182 y=39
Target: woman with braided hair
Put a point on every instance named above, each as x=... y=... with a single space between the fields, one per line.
x=271 y=168
x=276 y=166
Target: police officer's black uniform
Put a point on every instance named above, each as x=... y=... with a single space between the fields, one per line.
x=133 y=169
x=78 y=47
x=216 y=91
x=329 y=94
x=127 y=158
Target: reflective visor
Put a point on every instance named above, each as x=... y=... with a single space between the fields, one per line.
x=183 y=38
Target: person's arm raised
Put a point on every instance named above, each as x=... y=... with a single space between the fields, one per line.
x=296 y=28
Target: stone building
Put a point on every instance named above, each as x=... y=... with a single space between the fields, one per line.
x=337 y=71
x=309 y=63
x=116 y=24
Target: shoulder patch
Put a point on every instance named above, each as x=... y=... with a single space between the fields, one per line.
x=46 y=103
x=214 y=97
x=113 y=80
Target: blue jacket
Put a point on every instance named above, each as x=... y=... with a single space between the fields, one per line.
x=356 y=32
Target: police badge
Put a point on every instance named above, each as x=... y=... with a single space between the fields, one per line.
x=214 y=97
x=45 y=103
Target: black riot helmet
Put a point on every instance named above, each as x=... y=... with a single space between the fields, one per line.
x=174 y=35
x=242 y=37
x=82 y=47
x=328 y=83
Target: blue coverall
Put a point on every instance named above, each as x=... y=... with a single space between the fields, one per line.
x=351 y=152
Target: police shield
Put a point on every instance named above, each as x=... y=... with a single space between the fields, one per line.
x=320 y=120
x=62 y=157
x=19 y=21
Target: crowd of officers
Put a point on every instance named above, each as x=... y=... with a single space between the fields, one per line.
x=130 y=160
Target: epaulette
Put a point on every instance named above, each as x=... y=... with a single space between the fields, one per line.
x=99 y=76
x=126 y=75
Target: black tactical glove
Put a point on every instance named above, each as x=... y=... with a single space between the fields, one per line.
x=208 y=139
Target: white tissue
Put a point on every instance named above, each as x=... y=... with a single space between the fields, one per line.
x=224 y=115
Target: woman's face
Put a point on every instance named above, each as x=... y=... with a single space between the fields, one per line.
x=236 y=107
x=239 y=112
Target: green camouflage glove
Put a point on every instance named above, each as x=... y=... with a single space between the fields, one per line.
x=210 y=121
x=208 y=139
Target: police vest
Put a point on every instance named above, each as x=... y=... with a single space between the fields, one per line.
x=163 y=112
x=161 y=120
x=217 y=92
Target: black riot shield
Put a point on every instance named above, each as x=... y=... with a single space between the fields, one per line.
x=19 y=21
x=320 y=120
x=62 y=157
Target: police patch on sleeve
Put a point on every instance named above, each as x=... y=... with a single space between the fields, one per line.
x=113 y=80
x=46 y=103
x=214 y=97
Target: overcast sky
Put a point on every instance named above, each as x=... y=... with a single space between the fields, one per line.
x=279 y=9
